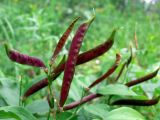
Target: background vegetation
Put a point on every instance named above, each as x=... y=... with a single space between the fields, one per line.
x=34 y=27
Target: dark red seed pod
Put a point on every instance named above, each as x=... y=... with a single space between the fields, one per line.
x=136 y=102
x=97 y=51
x=63 y=39
x=72 y=59
x=23 y=59
x=59 y=64
x=121 y=71
x=82 y=101
x=84 y=56
x=39 y=85
x=108 y=73
x=42 y=83
x=92 y=53
x=125 y=64
x=142 y=79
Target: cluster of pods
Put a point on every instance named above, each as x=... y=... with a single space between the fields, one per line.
x=74 y=59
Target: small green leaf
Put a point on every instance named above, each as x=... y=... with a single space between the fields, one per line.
x=18 y=113
x=9 y=91
x=38 y=106
x=99 y=110
x=65 y=116
x=123 y=113
x=115 y=89
x=8 y=115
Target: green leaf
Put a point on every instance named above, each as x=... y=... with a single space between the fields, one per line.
x=99 y=110
x=123 y=113
x=8 y=115
x=38 y=106
x=18 y=113
x=9 y=95
x=9 y=91
x=66 y=116
x=115 y=89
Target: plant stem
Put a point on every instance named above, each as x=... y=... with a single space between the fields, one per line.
x=83 y=94
x=20 y=90
x=51 y=95
x=48 y=117
x=82 y=101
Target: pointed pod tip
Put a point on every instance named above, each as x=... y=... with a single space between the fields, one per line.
x=7 y=48
x=90 y=20
x=76 y=19
x=113 y=34
x=118 y=55
x=158 y=98
x=157 y=70
x=118 y=58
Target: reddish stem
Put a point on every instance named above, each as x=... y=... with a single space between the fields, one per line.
x=82 y=101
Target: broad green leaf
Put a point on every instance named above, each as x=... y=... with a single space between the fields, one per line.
x=9 y=91
x=2 y=101
x=65 y=116
x=123 y=113
x=99 y=110
x=38 y=106
x=10 y=95
x=19 y=113
x=8 y=116
x=115 y=89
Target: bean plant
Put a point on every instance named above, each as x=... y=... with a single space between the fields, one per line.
x=118 y=95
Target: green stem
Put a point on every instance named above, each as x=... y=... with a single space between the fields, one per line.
x=109 y=99
x=20 y=91
x=51 y=95
x=48 y=117
x=74 y=113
